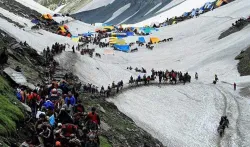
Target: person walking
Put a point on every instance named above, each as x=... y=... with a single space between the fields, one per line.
x=234 y=86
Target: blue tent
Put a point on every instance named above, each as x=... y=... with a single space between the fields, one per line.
x=208 y=5
x=185 y=14
x=87 y=34
x=130 y=33
x=35 y=21
x=147 y=30
x=141 y=40
x=124 y=48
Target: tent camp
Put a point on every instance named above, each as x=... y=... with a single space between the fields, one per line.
x=154 y=40
x=141 y=40
x=124 y=48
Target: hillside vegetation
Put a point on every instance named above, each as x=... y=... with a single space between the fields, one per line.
x=10 y=110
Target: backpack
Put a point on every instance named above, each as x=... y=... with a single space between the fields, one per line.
x=18 y=95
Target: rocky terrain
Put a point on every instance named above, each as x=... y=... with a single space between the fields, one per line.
x=234 y=29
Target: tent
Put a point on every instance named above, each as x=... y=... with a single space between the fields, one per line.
x=47 y=17
x=75 y=38
x=87 y=34
x=208 y=5
x=147 y=30
x=120 y=41
x=154 y=40
x=112 y=40
x=108 y=27
x=141 y=40
x=124 y=48
x=130 y=33
x=221 y=2
x=35 y=21
x=61 y=28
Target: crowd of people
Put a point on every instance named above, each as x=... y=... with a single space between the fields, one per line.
x=59 y=116
x=239 y=23
x=167 y=76
x=55 y=49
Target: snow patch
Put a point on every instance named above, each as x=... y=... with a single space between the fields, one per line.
x=118 y=12
x=153 y=9
x=94 y=4
x=58 y=9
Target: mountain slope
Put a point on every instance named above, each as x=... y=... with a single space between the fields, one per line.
x=139 y=10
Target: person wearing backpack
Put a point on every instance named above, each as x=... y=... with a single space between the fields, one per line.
x=34 y=99
x=93 y=119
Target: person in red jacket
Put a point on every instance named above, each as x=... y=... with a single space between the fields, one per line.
x=93 y=119
x=34 y=100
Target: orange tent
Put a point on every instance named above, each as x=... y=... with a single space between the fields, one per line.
x=154 y=40
x=47 y=16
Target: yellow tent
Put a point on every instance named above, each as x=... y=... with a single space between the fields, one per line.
x=62 y=28
x=154 y=40
x=112 y=40
x=221 y=2
x=75 y=39
x=120 y=42
x=47 y=16
x=108 y=28
x=174 y=22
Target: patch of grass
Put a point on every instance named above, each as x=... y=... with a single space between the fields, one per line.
x=104 y=142
x=9 y=112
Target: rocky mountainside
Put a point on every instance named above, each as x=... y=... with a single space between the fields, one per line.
x=136 y=11
x=113 y=11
